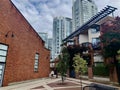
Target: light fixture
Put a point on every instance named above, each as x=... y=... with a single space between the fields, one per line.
x=12 y=35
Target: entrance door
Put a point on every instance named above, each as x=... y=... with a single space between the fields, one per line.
x=1 y=73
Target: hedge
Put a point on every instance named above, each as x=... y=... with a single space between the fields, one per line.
x=100 y=70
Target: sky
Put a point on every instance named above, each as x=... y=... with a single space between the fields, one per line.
x=40 y=13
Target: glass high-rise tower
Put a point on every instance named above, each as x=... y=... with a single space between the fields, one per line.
x=44 y=36
x=62 y=27
x=82 y=11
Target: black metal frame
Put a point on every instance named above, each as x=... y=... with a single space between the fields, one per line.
x=97 y=88
x=100 y=15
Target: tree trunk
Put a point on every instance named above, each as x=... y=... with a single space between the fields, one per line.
x=113 y=74
x=90 y=72
x=118 y=72
x=81 y=80
x=117 y=69
x=62 y=79
x=114 y=71
x=80 y=76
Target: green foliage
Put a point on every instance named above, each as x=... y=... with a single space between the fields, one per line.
x=79 y=64
x=110 y=38
x=118 y=52
x=111 y=49
x=63 y=64
x=118 y=56
x=101 y=70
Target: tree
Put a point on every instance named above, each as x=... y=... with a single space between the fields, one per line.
x=63 y=64
x=75 y=49
x=110 y=39
x=80 y=65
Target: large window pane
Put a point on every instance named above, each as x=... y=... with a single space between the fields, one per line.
x=3 y=53
x=0 y=77
x=3 y=47
x=36 y=56
x=36 y=66
x=0 y=71
x=95 y=30
x=95 y=43
x=2 y=59
x=36 y=62
x=1 y=66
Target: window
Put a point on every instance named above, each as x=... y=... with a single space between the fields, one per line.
x=36 y=62
x=95 y=30
x=95 y=43
x=3 y=52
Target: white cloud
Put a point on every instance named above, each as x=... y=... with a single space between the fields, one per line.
x=40 y=13
x=115 y=3
x=101 y=4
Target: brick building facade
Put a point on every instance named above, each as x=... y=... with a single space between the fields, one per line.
x=22 y=52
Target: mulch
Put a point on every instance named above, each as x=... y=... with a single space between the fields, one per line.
x=58 y=85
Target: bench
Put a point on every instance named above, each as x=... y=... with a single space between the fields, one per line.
x=95 y=86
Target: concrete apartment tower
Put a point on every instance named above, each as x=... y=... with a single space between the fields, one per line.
x=82 y=11
x=62 y=27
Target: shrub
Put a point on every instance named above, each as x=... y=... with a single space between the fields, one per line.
x=101 y=70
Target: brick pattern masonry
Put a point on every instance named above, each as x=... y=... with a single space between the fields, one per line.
x=22 y=46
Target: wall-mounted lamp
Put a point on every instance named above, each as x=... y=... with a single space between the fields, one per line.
x=12 y=35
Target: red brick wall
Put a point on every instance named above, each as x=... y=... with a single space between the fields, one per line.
x=22 y=47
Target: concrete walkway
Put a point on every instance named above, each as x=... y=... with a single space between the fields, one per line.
x=47 y=84
x=98 y=78
x=30 y=84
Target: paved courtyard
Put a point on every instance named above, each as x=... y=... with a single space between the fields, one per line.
x=48 y=84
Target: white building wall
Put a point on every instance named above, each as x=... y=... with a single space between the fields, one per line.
x=92 y=35
x=98 y=58
x=83 y=38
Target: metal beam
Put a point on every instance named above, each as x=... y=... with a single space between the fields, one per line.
x=100 y=15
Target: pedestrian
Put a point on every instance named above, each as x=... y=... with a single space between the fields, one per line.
x=56 y=73
x=52 y=73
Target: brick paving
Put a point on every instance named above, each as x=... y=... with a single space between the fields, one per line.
x=48 y=84
x=58 y=85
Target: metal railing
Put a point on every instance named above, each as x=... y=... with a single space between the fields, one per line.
x=99 y=87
